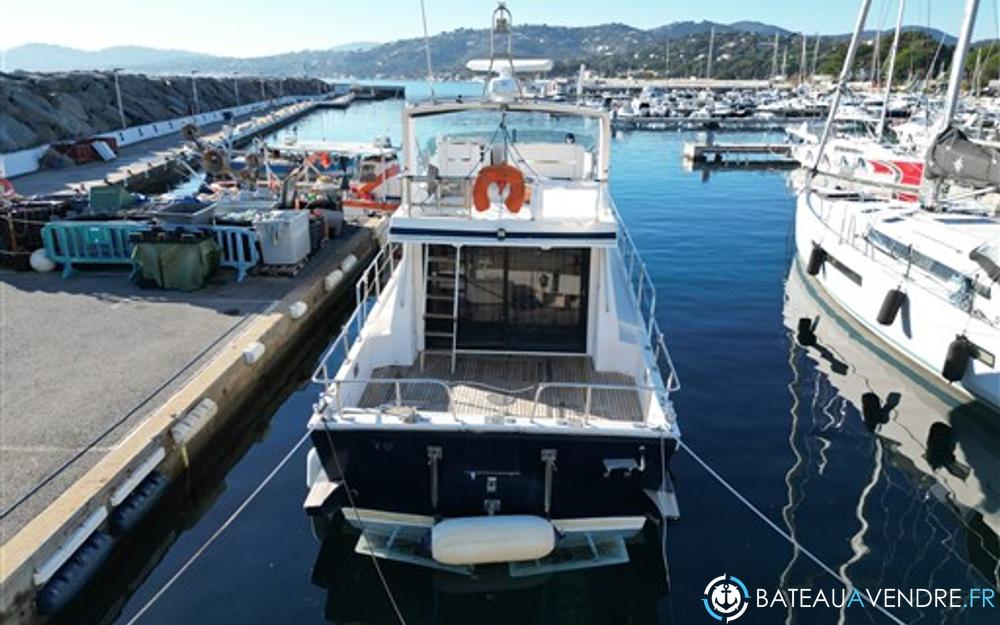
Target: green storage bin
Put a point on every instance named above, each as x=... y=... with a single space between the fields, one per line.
x=110 y=198
x=176 y=265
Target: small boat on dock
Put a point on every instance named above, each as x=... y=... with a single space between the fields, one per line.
x=502 y=394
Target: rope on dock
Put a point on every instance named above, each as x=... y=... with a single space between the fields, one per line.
x=774 y=526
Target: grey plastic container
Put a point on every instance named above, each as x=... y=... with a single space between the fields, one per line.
x=196 y=214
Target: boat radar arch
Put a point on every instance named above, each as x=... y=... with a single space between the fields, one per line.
x=503 y=87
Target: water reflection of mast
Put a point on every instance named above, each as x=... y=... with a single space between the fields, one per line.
x=788 y=511
x=947 y=451
x=858 y=547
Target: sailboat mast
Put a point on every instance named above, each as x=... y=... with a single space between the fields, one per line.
x=711 y=45
x=875 y=54
x=774 y=58
x=815 y=54
x=802 y=70
x=668 y=59
x=845 y=72
x=957 y=63
x=892 y=67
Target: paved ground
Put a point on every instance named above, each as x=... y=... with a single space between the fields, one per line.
x=96 y=353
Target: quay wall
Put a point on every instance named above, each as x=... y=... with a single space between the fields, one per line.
x=207 y=406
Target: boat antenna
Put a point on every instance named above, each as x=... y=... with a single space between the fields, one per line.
x=427 y=49
x=841 y=87
x=892 y=67
x=500 y=24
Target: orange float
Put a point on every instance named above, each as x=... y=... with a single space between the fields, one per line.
x=503 y=176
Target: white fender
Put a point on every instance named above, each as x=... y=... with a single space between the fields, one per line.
x=489 y=539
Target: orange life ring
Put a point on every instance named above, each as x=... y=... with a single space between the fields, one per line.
x=502 y=176
x=6 y=187
x=323 y=158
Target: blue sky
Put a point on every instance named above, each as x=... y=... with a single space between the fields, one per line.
x=257 y=27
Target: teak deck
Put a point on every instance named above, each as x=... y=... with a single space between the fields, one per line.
x=506 y=386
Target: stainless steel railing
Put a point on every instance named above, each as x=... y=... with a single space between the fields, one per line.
x=644 y=291
x=334 y=398
x=374 y=278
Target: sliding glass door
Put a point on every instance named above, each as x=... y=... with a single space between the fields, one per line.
x=523 y=299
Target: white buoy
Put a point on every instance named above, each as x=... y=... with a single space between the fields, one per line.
x=41 y=262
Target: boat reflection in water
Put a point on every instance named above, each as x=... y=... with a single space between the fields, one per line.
x=628 y=593
x=921 y=463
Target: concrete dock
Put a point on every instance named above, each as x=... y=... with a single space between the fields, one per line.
x=97 y=371
x=156 y=160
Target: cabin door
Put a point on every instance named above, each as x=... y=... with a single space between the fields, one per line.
x=524 y=299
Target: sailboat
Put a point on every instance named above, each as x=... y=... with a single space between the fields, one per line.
x=502 y=394
x=922 y=277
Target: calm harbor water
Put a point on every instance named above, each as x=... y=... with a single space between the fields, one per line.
x=903 y=497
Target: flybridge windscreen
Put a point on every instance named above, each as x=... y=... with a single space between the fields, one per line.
x=542 y=145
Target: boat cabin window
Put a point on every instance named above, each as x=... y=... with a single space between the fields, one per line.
x=936 y=268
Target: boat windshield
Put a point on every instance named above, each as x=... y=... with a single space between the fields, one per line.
x=543 y=146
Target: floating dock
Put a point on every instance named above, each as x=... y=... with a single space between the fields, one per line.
x=740 y=155
x=727 y=124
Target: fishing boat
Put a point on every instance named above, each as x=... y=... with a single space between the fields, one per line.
x=502 y=394
x=359 y=177
x=923 y=277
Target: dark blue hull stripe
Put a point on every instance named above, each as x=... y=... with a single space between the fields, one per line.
x=491 y=234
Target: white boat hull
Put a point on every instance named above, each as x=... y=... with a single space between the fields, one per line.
x=928 y=323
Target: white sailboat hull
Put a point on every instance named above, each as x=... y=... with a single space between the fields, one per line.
x=857 y=277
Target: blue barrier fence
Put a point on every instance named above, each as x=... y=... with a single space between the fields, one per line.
x=71 y=243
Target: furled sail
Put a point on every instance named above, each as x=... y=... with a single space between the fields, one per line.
x=954 y=157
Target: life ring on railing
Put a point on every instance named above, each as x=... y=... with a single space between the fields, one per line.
x=503 y=176
x=6 y=187
x=323 y=158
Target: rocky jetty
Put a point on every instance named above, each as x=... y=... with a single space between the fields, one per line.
x=41 y=108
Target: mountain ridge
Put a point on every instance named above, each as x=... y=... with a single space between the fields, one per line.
x=611 y=47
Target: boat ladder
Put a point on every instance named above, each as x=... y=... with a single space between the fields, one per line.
x=444 y=284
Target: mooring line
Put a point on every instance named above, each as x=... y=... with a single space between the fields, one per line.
x=222 y=528
x=795 y=543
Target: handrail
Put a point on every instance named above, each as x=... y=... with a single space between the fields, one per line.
x=643 y=288
x=589 y=387
x=449 y=386
x=433 y=206
x=373 y=279
x=396 y=382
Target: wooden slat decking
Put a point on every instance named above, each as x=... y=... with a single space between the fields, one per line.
x=506 y=386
